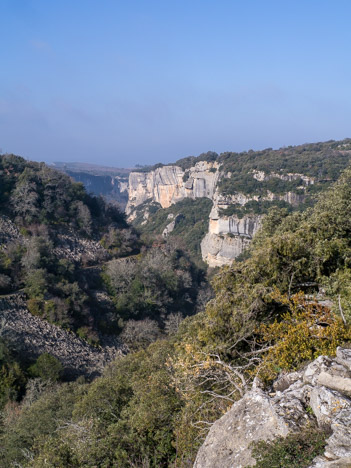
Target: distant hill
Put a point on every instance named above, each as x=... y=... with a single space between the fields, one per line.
x=109 y=182
x=88 y=168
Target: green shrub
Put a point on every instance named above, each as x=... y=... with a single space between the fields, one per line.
x=294 y=451
x=35 y=306
x=46 y=367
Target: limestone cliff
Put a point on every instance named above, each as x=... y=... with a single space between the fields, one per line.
x=169 y=184
x=228 y=235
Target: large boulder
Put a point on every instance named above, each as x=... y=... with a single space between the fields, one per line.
x=320 y=392
x=227 y=443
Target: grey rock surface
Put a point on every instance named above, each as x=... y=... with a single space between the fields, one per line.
x=321 y=387
x=33 y=336
x=167 y=185
x=227 y=444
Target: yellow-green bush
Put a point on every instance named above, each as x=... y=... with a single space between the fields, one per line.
x=307 y=330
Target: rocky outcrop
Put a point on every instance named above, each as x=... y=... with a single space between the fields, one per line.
x=170 y=184
x=221 y=249
x=262 y=176
x=320 y=392
x=228 y=236
x=31 y=336
x=170 y=227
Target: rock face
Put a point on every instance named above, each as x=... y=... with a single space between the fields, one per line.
x=323 y=388
x=169 y=184
x=170 y=227
x=228 y=236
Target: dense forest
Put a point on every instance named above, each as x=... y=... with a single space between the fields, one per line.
x=284 y=303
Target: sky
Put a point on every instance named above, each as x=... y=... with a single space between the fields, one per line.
x=121 y=83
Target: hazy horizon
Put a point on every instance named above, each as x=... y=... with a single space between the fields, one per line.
x=119 y=84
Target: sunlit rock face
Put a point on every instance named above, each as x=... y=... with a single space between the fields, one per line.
x=170 y=184
x=228 y=236
x=318 y=394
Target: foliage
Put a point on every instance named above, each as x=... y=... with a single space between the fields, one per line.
x=322 y=161
x=148 y=288
x=306 y=331
x=296 y=450
x=46 y=367
x=254 y=207
x=190 y=227
x=125 y=418
x=12 y=377
x=28 y=426
x=186 y=163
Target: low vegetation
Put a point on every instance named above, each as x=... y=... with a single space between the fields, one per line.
x=297 y=450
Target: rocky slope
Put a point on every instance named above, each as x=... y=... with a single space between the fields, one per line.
x=321 y=392
x=31 y=336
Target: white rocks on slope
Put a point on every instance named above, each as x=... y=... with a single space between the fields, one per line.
x=323 y=386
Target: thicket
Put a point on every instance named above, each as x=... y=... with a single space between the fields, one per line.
x=297 y=450
x=154 y=407
x=190 y=227
x=149 y=288
x=322 y=161
x=257 y=207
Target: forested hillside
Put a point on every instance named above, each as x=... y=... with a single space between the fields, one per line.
x=70 y=259
x=284 y=304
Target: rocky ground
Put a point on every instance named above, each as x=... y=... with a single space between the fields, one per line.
x=32 y=336
x=321 y=392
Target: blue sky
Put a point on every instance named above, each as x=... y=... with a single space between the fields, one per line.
x=127 y=82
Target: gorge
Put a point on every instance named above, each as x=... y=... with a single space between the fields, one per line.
x=242 y=187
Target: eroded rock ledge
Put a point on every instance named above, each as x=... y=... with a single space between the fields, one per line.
x=322 y=391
